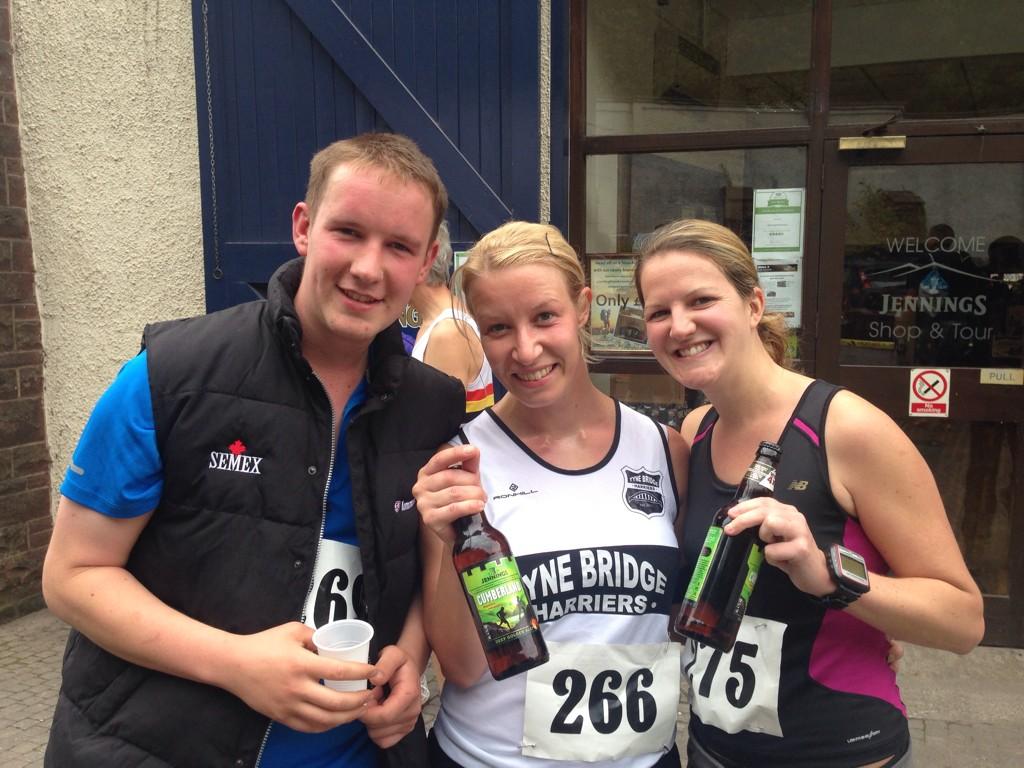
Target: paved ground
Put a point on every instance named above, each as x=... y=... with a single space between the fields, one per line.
x=965 y=710
x=30 y=652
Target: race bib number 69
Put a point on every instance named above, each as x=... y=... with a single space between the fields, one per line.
x=602 y=702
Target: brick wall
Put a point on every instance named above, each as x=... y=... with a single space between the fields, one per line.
x=25 y=522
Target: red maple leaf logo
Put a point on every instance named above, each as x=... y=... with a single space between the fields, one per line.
x=237 y=447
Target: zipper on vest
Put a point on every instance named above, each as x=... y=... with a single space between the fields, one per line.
x=323 y=506
x=263 y=744
x=319 y=541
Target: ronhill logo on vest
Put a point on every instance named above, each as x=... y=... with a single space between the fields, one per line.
x=235 y=461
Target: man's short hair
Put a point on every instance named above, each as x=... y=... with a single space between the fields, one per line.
x=440 y=270
x=390 y=152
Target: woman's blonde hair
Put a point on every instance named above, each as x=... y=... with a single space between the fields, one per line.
x=727 y=252
x=518 y=244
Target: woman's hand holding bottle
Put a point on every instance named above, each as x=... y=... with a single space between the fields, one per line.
x=448 y=488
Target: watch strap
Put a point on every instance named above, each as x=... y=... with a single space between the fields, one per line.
x=843 y=595
x=841 y=598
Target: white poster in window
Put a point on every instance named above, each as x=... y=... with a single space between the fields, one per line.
x=777 y=245
x=782 y=282
x=616 y=319
x=778 y=227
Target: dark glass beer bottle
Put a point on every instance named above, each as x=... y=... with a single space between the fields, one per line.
x=504 y=618
x=726 y=570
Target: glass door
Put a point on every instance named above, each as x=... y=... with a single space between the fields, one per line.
x=922 y=302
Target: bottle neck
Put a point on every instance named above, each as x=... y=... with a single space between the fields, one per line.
x=758 y=481
x=470 y=524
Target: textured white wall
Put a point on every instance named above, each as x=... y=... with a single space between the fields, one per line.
x=106 y=93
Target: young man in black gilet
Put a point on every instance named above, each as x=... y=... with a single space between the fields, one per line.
x=247 y=478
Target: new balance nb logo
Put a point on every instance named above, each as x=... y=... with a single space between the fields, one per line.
x=235 y=461
x=798 y=485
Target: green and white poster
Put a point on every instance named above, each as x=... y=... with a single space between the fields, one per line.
x=777 y=247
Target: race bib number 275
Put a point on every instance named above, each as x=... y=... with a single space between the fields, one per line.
x=739 y=690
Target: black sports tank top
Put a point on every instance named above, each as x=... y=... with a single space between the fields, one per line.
x=804 y=685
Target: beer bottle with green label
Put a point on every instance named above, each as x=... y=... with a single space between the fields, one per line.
x=726 y=570
x=505 y=620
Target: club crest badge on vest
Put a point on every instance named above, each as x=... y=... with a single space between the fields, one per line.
x=641 y=491
x=235 y=460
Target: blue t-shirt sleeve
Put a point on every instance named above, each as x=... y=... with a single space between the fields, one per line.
x=116 y=468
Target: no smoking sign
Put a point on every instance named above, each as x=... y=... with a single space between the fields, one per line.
x=929 y=392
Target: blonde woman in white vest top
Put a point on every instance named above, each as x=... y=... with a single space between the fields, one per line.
x=587 y=492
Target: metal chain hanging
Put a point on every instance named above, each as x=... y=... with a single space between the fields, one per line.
x=218 y=273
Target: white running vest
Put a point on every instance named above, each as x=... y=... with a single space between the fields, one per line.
x=480 y=392
x=598 y=555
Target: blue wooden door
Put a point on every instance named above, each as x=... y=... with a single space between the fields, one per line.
x=279 y=79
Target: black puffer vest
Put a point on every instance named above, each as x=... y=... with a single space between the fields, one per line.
x=244 y=431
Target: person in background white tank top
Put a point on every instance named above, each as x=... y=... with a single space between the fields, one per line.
x=448 y=338
x=588 y=493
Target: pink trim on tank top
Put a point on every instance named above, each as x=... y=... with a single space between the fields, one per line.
x=848 y=655
x=703 y=434
x=803 y=427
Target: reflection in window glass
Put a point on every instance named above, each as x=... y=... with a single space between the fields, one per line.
x=921 y=59
x=657 y=396
x=973 y=464
x=673 y=66
x=934 y=261
x=629 y=196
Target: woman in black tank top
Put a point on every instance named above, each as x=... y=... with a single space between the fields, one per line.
x=808 y=685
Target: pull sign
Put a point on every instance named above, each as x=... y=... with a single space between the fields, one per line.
x=849 y=143
x=1009 y=376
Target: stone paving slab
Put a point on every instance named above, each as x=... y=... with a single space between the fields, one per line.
x=31 y=649
x=964 y=710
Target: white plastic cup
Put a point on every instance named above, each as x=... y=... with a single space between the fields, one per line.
x=345 y=640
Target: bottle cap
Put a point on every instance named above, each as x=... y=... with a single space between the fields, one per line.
x=770 y=450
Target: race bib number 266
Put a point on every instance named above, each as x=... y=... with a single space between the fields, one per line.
x=601 y=702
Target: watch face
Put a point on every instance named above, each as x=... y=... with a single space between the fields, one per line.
x=851 y=567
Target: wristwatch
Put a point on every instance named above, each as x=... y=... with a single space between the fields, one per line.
x=850 y=573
